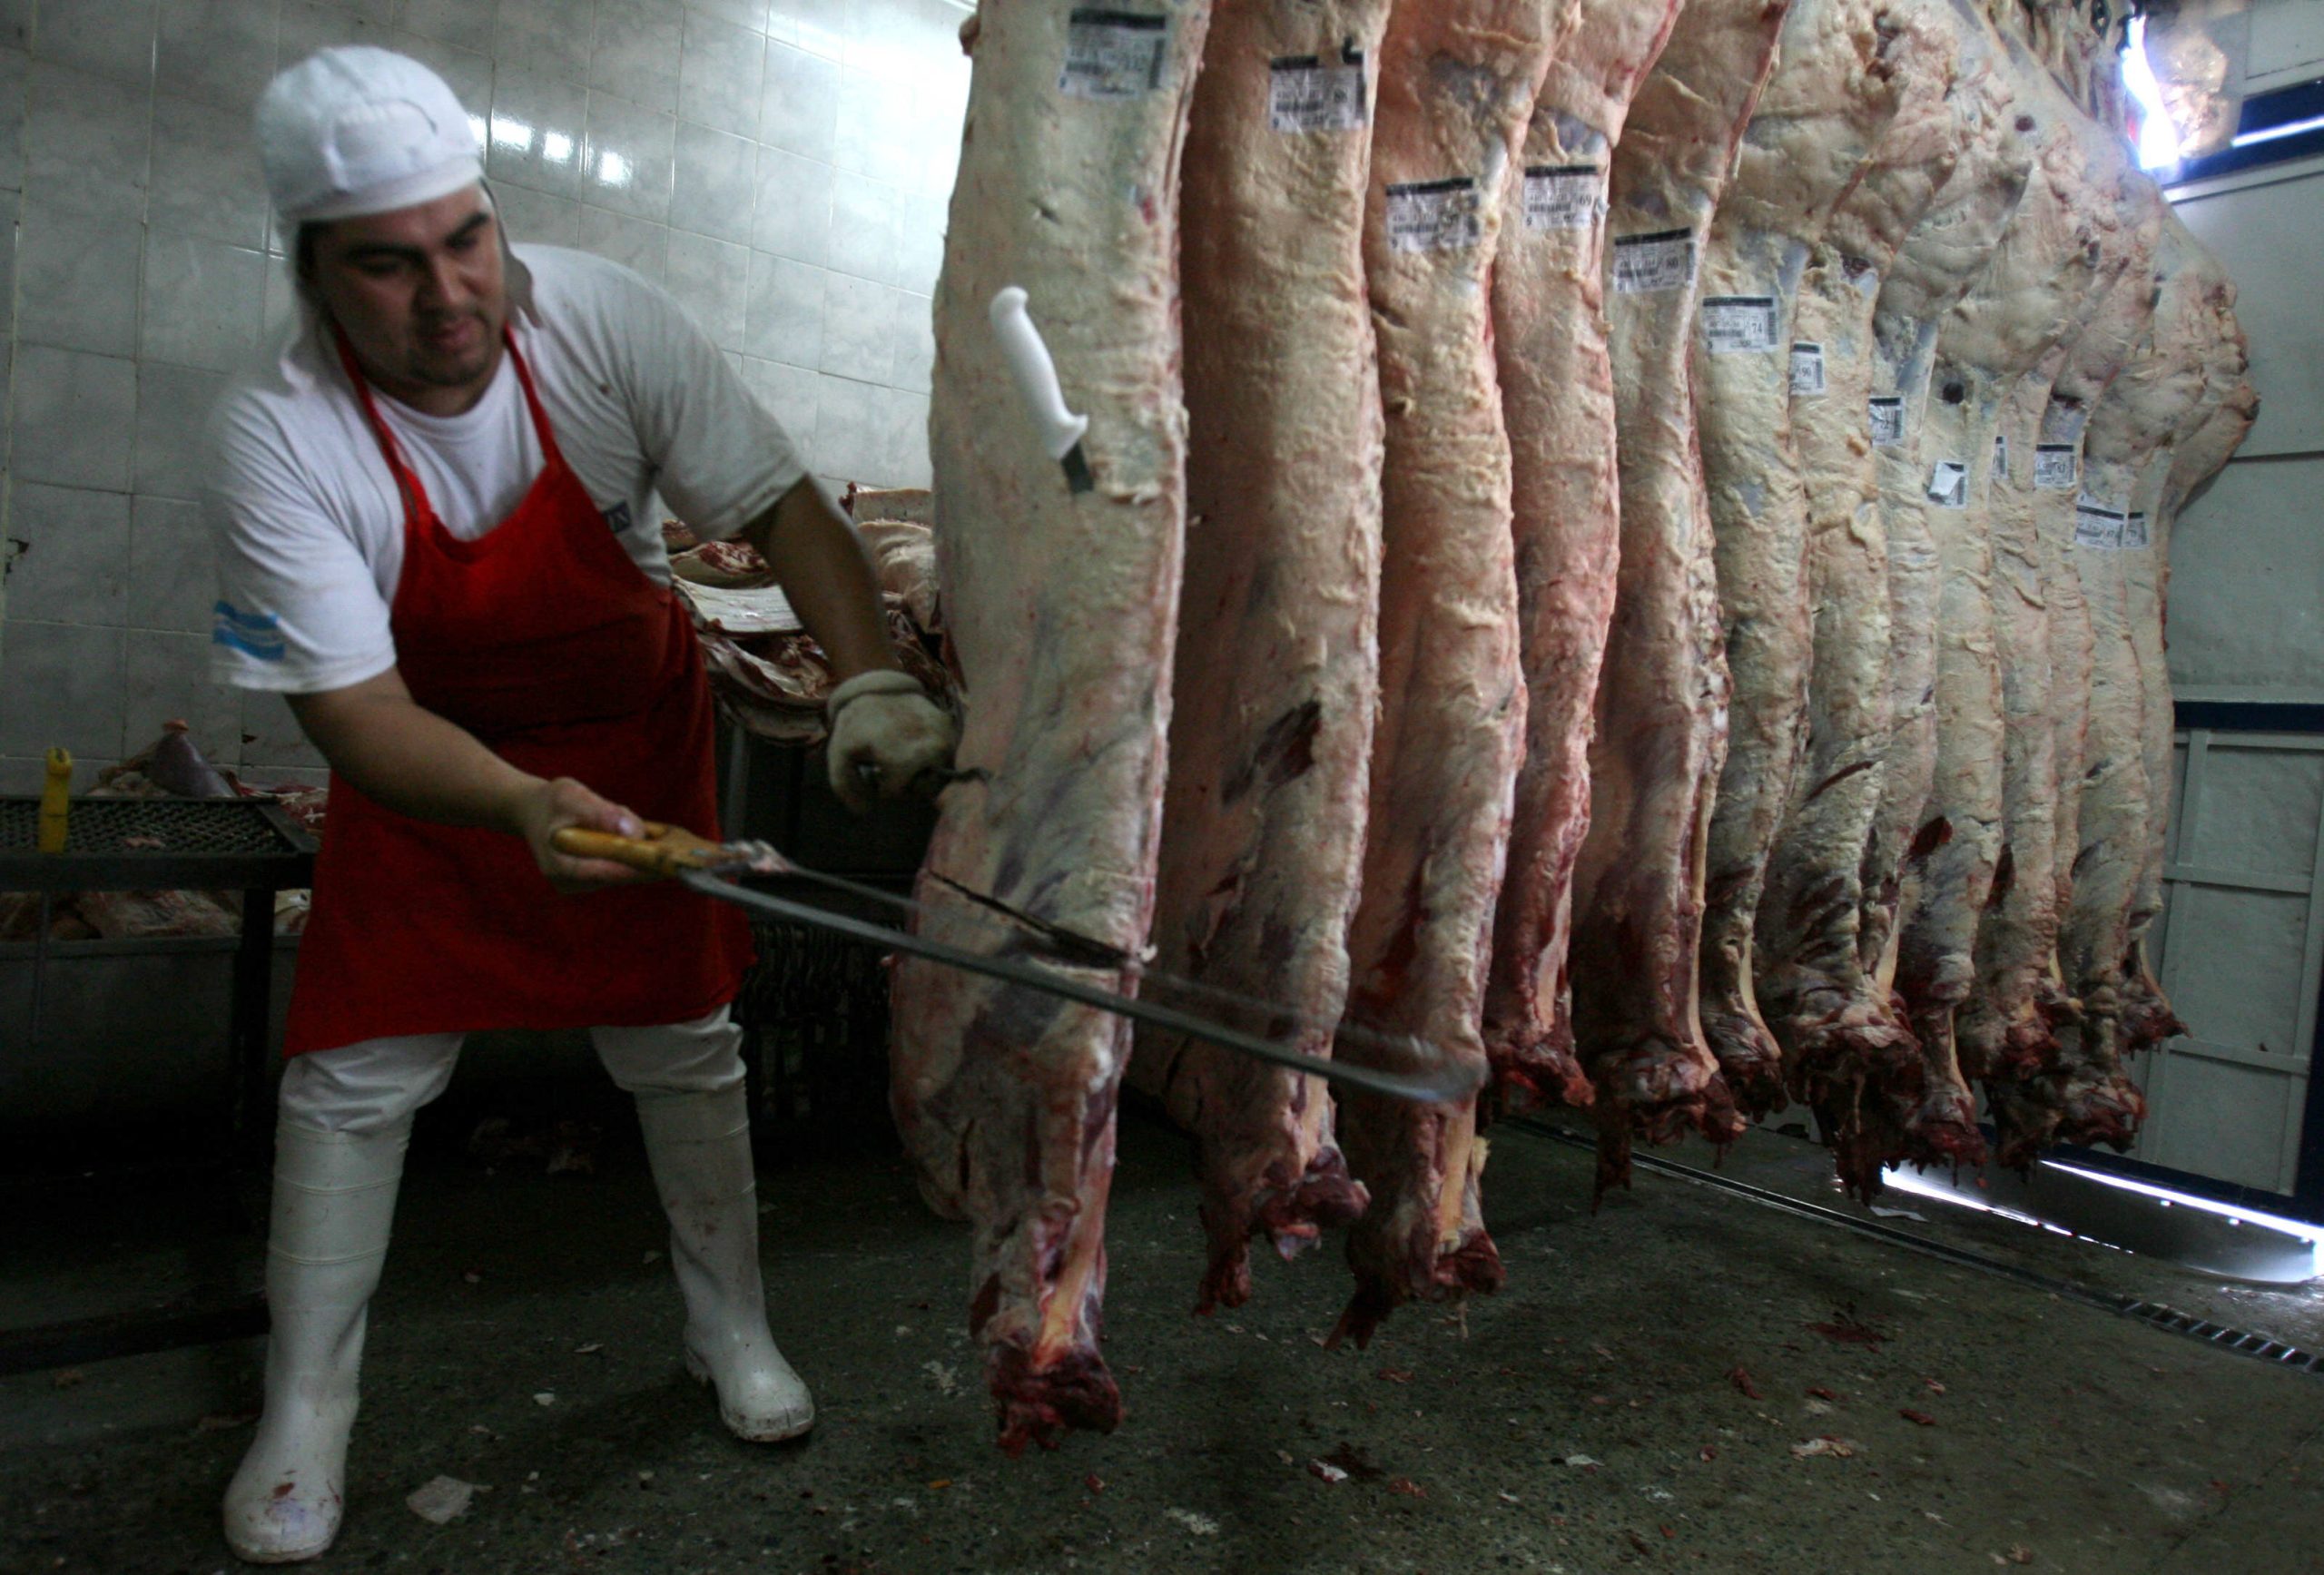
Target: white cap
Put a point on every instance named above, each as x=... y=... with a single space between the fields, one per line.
x=355 y=131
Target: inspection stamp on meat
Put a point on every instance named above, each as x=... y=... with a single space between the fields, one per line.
x=1887 y=422
x=2099 y=527
x=1564 y=196
x=1113 y=55
x=1654 y=263
x=1949 y=485
x=1807 y=371
x=1306 y=93
x=1739 y=325
x=1435 y=215
x=2055 y=467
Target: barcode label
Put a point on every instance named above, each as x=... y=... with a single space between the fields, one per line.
x=2098 y=526
x=1309 y=93
x=2001 y=457
x=1806 y=372
x=2055 y=467
x=2134 y=537
x=1739 y=325
x=1949 y=485
x=1654 y=264
x=1434 y=216
x=1564 y=197
x=1887 y=422
x=1113 y=55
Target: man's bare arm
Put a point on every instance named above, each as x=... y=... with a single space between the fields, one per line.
x=827 y=577
x=405 y=757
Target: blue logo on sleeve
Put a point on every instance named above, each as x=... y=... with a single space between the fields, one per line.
x=257 y=634
x=618 y=517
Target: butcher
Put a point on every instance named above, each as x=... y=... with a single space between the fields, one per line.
x=434 y=506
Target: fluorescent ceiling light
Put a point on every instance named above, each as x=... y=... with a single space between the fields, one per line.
x=2158 y=138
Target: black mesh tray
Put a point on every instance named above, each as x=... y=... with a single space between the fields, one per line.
x=156 y=844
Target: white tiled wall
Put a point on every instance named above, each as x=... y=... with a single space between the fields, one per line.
x=781 y=166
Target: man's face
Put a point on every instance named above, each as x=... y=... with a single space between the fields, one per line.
x=420 y=294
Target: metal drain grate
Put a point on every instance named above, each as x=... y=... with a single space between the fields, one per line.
x=125 y=825
x=2241 y=1342
x=2154 y=1314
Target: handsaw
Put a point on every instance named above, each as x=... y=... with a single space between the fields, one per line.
x=713 y=869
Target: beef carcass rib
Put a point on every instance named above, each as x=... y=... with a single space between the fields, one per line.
x=1557 y=397
x=1832 y=91
x=1846 y=1053
x=1062 y=608
x=1457 y=81
x=1663 y=693
x=1277 y=657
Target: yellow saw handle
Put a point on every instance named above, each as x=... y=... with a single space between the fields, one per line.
x=662 y=850
x=56 y=802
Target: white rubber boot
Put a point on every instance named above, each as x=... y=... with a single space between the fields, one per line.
x=700 y=1146
x=334 y=1199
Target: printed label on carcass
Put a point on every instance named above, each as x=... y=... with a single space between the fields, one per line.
x=1949 y=485
x=1887 y=422
x=2063 y=421
x=1113 y=55
x=1434 y=216
x=2056 y=468
x=2097 y=527
x=1806 y=372
x=1739 y=325
x=1564 y=196
x=1653 y=264
x=1306 y=93
x=2134 y=537
x=2001 y=457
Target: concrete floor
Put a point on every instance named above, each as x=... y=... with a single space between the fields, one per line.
x=1592 y=1417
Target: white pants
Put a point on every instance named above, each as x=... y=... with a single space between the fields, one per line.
x=367 y=1088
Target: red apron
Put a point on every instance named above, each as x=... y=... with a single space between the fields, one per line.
x=544 y=639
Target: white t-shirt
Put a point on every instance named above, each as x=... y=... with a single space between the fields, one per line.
x=308 y=521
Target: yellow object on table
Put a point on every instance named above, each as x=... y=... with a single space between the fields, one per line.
x=56 y=802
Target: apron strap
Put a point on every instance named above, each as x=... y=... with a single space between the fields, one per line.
x=417 y=509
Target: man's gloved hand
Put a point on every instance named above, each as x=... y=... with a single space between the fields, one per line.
x=888 y=739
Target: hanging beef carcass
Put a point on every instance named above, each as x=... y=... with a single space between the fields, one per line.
x=2126 y=462
x=1277 y=656
x=1941 y=260
x=1662 y=695
x=1457 y=81
x=2006 y=1027
x=1557 y=395
x=2200 y=446
x=2042 y=272
x=2022 y=1004
x=1846 y=1054
x=1832 y=91
x=1061 y=606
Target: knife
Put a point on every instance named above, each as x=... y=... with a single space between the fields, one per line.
x=710 y=868
x=1028 y=356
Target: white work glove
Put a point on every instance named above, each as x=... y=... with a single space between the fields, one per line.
x=888 y=739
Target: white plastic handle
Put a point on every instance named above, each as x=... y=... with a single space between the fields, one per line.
x=1036 y=374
